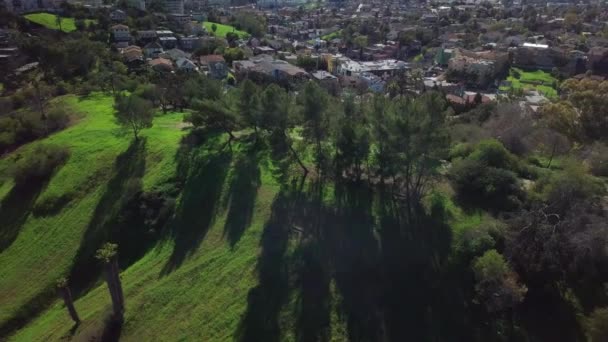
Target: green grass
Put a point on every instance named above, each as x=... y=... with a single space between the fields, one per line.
x=49 y=21
x=45 y=246
x=529 y=80
x=333 y=35
x=230 y=262
x=222 y=30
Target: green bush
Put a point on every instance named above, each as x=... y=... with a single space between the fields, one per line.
x=573 y=184
x=39 y=163
x=484 y=186
x=487 y=177
x=477 y=240
x=493 y=154
x=598 y=160
x=461 y=150
x=57 y=119
x=597 y=325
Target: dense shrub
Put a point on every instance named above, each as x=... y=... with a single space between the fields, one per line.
x=25 y=126
x=485 y=186
x=39 y=163
x=493 y=154
x=598 y=160
x=597 y=325
x=461 y=150
x=561 y=190
x=486 y=177
x=477 y=240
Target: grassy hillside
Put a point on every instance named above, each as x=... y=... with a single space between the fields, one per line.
x=244 y=257
x=42 y=246
x=222 y=29
x=49 y=21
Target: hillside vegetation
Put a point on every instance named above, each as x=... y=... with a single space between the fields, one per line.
x=237 y=260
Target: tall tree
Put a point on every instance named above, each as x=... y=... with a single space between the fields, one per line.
x=249 y=105
x=214 y=114
x=58 y=21
x=352 y=142
x=419 y=139
x=314 y=104
x=274 y=119
x=133 y=112
x=108 y=254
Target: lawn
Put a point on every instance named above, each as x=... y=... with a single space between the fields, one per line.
x=49 y=21
x=222 y=30
x=533 y=80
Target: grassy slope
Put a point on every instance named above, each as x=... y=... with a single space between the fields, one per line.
x=222 y=30
x=197 y=283
x=45 y=246
x=48 y=20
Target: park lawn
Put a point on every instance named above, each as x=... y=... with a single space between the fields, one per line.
x=527 y=80
x=44 y=246
x=222 y=30
x=49 y=21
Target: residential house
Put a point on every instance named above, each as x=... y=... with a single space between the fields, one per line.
x=118 y=15
x=120 y=33
x=477 y=67
x=146 y=36
x=214 y=65
x=188 y=43
x=539 y=56
x=264 y=68
x=373 y=82
x=327 y=81
x=132 y=56
x=152 y=50
x=185 y=64
x=168 y=42
x=161 y=64
x=386 y=67
x=174 y=54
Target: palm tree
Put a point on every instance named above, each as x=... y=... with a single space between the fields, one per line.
x=66 y=294
x=108 y=254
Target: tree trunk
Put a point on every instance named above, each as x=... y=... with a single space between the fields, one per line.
x=66 y=294
x=552 y=155
x=298 y=160
x=115 y=288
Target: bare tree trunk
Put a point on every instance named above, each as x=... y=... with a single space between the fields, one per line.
x=295 y=154
x=115 y=288
x=66 y=294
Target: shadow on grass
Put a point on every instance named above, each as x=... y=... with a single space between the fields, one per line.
x=244 y=185
x=105 y=223
x=198 y=204
x=388 y=274
x=15 y=209
x=264 y=302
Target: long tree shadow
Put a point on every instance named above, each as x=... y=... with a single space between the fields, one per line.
x=264 y=302
x=15 y=209
x=243 y=192
x=350 y=236
x=414 y=253
x=124 y=185
x=199 y=203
